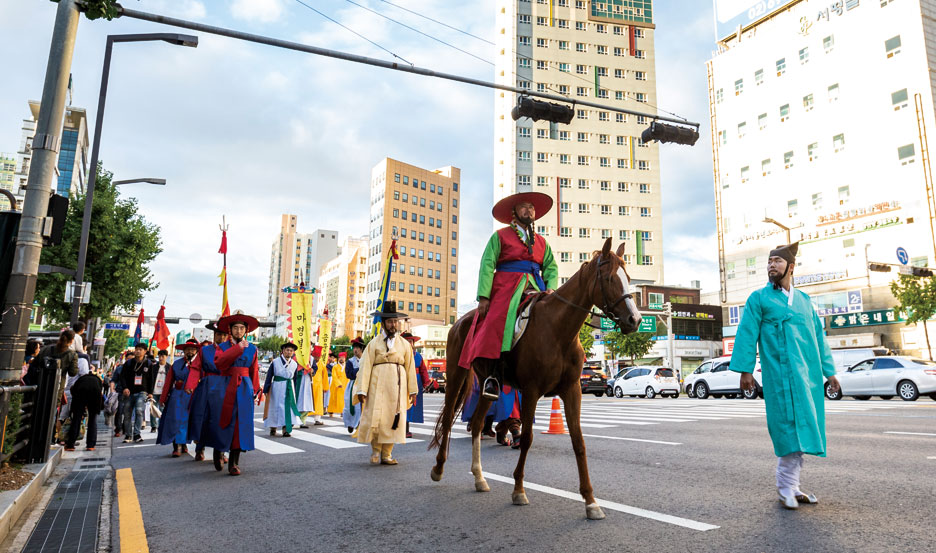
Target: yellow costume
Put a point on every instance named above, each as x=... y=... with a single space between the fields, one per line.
x=319 y=386
x=337 y=389
x=387 y=378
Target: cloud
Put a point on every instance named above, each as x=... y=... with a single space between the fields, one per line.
x=264 y=11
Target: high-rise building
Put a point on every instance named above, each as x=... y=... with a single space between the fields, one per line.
x=295 y=259
x=73 y=157
x=604 y=180
x=419 y=207
x=7 y=170
x=819 y=114
x=342 y=283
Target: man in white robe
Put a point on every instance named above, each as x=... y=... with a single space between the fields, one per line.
x=281 y=409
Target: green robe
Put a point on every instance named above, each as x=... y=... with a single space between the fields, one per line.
x=794 y=357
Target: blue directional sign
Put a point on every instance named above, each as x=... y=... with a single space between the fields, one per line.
x=903 y=256
x=116 y=326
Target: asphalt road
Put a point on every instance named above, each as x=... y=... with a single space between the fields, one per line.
x=708 y=486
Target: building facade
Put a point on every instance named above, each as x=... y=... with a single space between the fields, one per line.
x=420 y=208
x=604 y=180
x=819 y=115
x=342 y=285
x=296 y=258
x=7 y=172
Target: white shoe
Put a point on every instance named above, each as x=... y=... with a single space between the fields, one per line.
x=788 y=500
x=807 y=498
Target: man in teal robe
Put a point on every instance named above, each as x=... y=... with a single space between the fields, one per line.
x=781 y=322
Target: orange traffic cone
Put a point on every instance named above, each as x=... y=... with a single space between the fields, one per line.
x=556 y=426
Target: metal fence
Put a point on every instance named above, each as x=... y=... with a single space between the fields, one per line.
x=22 y=409
x=33 y=409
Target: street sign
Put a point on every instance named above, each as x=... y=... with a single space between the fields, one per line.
x=195 y=318
x=607 y=324
x=903 y=256
x=83 y=290
x=647 y=324
x=656 y=306
x=866 y=318
x=116 y=326
x=905 y=270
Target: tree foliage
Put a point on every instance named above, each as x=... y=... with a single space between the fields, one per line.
x=96 y=9
x=116 y=342
x=634 y=345
x=916 y=296
x=121 y=245
x=587 y=339
x=270 y=343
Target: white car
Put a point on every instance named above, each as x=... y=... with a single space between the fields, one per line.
x=714 y=378
x=888 y=377
x=648 y=382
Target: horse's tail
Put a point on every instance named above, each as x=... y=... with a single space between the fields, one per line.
x=455 y=408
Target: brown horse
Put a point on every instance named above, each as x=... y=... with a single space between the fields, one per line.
x=548 y=360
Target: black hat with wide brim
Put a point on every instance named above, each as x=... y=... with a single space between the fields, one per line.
x=213 y=326
x=289 y=345
x=388 y=311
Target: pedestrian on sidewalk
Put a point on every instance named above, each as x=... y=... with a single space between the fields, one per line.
x=782 y=324
x=415 y=413
x=207 y=391
x=138 y=378
x=385 y=387
x=280 y=408
x=351 y=414
x=117 y=387
x=84 y=367
x=86 y=396
x=78 y=344
x=174 y=401
x=336 y=389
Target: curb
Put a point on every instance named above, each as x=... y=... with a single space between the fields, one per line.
x=15 y=502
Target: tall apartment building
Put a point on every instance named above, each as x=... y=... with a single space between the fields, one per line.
x=342 y=285
x=73 y=158
x=7 y=170
x=604 y=181
x=420 y=208
x=296 y=258
x=818 y=110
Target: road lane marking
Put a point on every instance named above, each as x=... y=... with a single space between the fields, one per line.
x=631 y=439
x=132 y=533
x=913 y=433
x=620 y=507
x=273 y=448
x=141 y=445
x=931 y=457
x=324 y=440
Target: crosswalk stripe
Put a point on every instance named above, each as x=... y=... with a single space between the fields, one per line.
x=584 y=425
x=644 y=413
x=323 y=440
x=273 y=448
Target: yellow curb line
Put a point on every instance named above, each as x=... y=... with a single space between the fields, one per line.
x=132 y=534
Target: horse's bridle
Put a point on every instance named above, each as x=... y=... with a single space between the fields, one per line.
x=607 y=309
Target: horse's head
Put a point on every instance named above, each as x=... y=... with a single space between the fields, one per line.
x=611 y=291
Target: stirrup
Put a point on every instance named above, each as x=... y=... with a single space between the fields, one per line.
x=484 y=389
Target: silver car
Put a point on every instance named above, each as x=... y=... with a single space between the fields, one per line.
x=887 y=377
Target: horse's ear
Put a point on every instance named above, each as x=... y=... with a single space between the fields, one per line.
x=620 y=250
x=606 y=249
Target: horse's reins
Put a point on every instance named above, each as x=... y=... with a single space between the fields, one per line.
x=606 y=310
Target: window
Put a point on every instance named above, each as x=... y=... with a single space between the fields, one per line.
x=524 y=40
x=523 y=155
x=758 y=77
x=640 y=96
x=817 y=201
x=604 y=162
x=565 y=207
x=729 y=269
x=905 y=154
x=541 y=181
x=781 y=66
x=804 y=56
x=603 y=139
x=624 y=211
x=579 y=25
x=762 y=121
x=843 y=194
x=580 y=47
x=583 y=137
x=565 y=257
x=828 y=43
x=602 y=71
x=751 y=263
x=618 y=51
x=618 y=73
x=581 y=114
x=788 y=160
x=542 y=66
x=640 y=75
x=623 y=187
x=581 y=69
x=542 y=133
x=742 y=129
x=899 y=99
x=563 y=45
x=646 y=236
x=618 y=30
x=765 y=167
x=808 y=102
x=606 y=209
x=564 y=67
x=583 y=257
x=542 y=43
x=523 y=132
x=640 y=54
x=601 y=28
x=605 y=186
x=791 y=207
x=719 y=95
x=542 y=21
x=524 y=18
x=833 y=92
x=892 y=46
x=813 y=151
x=584 y=233
x=541 y=157
x=602 y=93
x=744 y=174
x=564 y=182
x=643 y=165
x=638 y=33
x=454 y=221
x=564 y=135
x=565 y=232
x=784 y=112
x=602 y=50
x=583 y=160
x=646 y=212
x=583 y=184
x=838 y=142
x=584 y=209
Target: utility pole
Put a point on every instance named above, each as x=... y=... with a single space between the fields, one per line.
x=670 y=345
x=22 y=288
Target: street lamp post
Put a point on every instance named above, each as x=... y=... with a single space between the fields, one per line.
x=148 y=180
x=781 y=225
x=171 y=38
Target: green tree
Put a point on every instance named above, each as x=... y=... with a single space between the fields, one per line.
x=633 y=345
x=96 y=9
x=916 y=297
x=121 y=246
x=587 y=339
x=270 y=343
x=342 y=340
x=116 y=342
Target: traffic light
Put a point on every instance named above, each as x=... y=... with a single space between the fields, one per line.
x=537 y=109
x=921 y=272
x=879 y=267
x=662 y=133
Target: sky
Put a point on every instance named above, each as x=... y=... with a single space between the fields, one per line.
x=249 y=132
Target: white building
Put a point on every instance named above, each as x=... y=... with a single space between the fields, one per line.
x=342 y=284
x=818 y=109
x=604 y=181
x=296 y=258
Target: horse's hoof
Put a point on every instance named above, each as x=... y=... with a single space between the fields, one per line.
x=482 y=486
x=436 y=476
x=594 y=512
x=520 y=498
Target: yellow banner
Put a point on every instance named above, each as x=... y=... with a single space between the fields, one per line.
x=324 y=340
x=301 y=325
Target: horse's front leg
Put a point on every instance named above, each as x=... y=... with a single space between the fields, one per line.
x=477 y=424
x=527 y=411
x=572 y=399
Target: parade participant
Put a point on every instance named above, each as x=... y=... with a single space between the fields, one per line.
x=174 y=401
x=337 y=387
x=280 y=409
x=230 y=428
x=507 y=415
x=207 y=390
x=782 y=324
x=319 y=385
x=162 y=368
x=415 y=413
x=351 y=415
x=138 y=377
x=515 y=259
x=302 y=383
x=386 y=383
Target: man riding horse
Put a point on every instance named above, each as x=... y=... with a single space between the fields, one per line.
x=515 y=259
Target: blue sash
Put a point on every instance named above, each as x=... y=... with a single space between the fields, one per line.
x=528 y=267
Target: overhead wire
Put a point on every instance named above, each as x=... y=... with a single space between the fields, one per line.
x=355 y=32
x=439 y=22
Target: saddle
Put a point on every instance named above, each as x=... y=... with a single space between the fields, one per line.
x=527 y=301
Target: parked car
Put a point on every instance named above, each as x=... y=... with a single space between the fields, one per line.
x=593 y=381
x=609 y=388
x=714 y=378
x=649 y=382
x=438 y=382
x=887 y=377
x=845 y=358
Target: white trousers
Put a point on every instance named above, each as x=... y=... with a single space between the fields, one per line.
x=788 y=472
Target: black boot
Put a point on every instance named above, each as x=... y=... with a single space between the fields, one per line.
x=216 y=457
x=233 y=469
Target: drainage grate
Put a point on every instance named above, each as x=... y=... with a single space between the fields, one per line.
x=70 y=522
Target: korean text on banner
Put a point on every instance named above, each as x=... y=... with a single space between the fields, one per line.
x=301 y=325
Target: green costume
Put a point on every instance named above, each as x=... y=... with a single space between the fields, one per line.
x=794 y=358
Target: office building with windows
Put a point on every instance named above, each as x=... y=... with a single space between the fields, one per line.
x=7 y=172
x=419 y=208
x=604 y=181
x=819 y=113
x=296 y=258
x=342 y=282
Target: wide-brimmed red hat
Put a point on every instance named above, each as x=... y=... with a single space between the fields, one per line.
x=190 y=343
x=503 y=210
x=225 y=323
x=408 y=336
x=317 y=351
x=358 y=343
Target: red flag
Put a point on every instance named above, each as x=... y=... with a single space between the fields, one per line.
x=223 y=248
x=161 y=334
x=138 y=333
